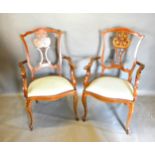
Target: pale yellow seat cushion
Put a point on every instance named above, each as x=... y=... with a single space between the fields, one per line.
x=111 y=87
x=49 y=85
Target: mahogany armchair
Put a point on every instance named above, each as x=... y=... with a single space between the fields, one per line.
x=112 y=89
x=51 y=87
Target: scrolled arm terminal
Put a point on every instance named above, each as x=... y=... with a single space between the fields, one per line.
x=88 y=69
x=137 y=78
x=24 y=77
x=72 y=70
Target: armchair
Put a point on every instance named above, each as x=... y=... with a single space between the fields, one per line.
x=51 y=87
x=112 y=89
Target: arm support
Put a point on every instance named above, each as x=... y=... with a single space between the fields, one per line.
x=72 y=70
x=88 y=70
x=138 y=75
x=23 y=74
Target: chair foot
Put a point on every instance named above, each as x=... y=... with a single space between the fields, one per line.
x=84 y=118
x=77 y=118
x=31 y=128
x=127 y=131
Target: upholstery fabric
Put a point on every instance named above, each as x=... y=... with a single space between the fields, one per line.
x=49 y=85
x=111 y=87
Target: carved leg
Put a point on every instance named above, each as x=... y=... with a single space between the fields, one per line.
x=75 y=105
x=84 y=102
x=130 y=112
x=36 y=101
x=29 y=111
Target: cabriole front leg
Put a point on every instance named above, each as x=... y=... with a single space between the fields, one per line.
x=29 y=112
x=84 y=102
x=130 y=113
x=75 y=105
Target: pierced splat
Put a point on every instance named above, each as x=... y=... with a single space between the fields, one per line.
x=120 y=42
x=42 y=43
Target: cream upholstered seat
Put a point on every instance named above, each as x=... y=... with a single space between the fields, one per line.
x=49 y=85
x=111 y=87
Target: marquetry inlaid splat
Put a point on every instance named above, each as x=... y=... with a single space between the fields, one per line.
x=42 y=43
x=121 y=40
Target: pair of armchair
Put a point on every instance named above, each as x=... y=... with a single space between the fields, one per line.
x=53 y=87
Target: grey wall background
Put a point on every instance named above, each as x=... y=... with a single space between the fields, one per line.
x=80 y=41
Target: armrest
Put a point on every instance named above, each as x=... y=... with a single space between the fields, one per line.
x=88 y=70
x=23 y=74
x=88 y=67
x=72 y=70
x=137 y=78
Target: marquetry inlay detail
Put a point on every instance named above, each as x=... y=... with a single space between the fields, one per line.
x=121 y=40
x=42 y=43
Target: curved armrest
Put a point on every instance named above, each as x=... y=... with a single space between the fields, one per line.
x=72 y=70
x=23 y=74
x=88 y=68
x=138 y=75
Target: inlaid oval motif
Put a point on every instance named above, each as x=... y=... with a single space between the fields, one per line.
x=121 y=40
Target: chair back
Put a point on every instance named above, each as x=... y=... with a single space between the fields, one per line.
x=43 y=49
x=119 y=49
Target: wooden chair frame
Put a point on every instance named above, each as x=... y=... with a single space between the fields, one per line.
x=58 y=67
x=129 y=103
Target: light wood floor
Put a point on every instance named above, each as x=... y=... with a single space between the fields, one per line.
x=54 y=121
